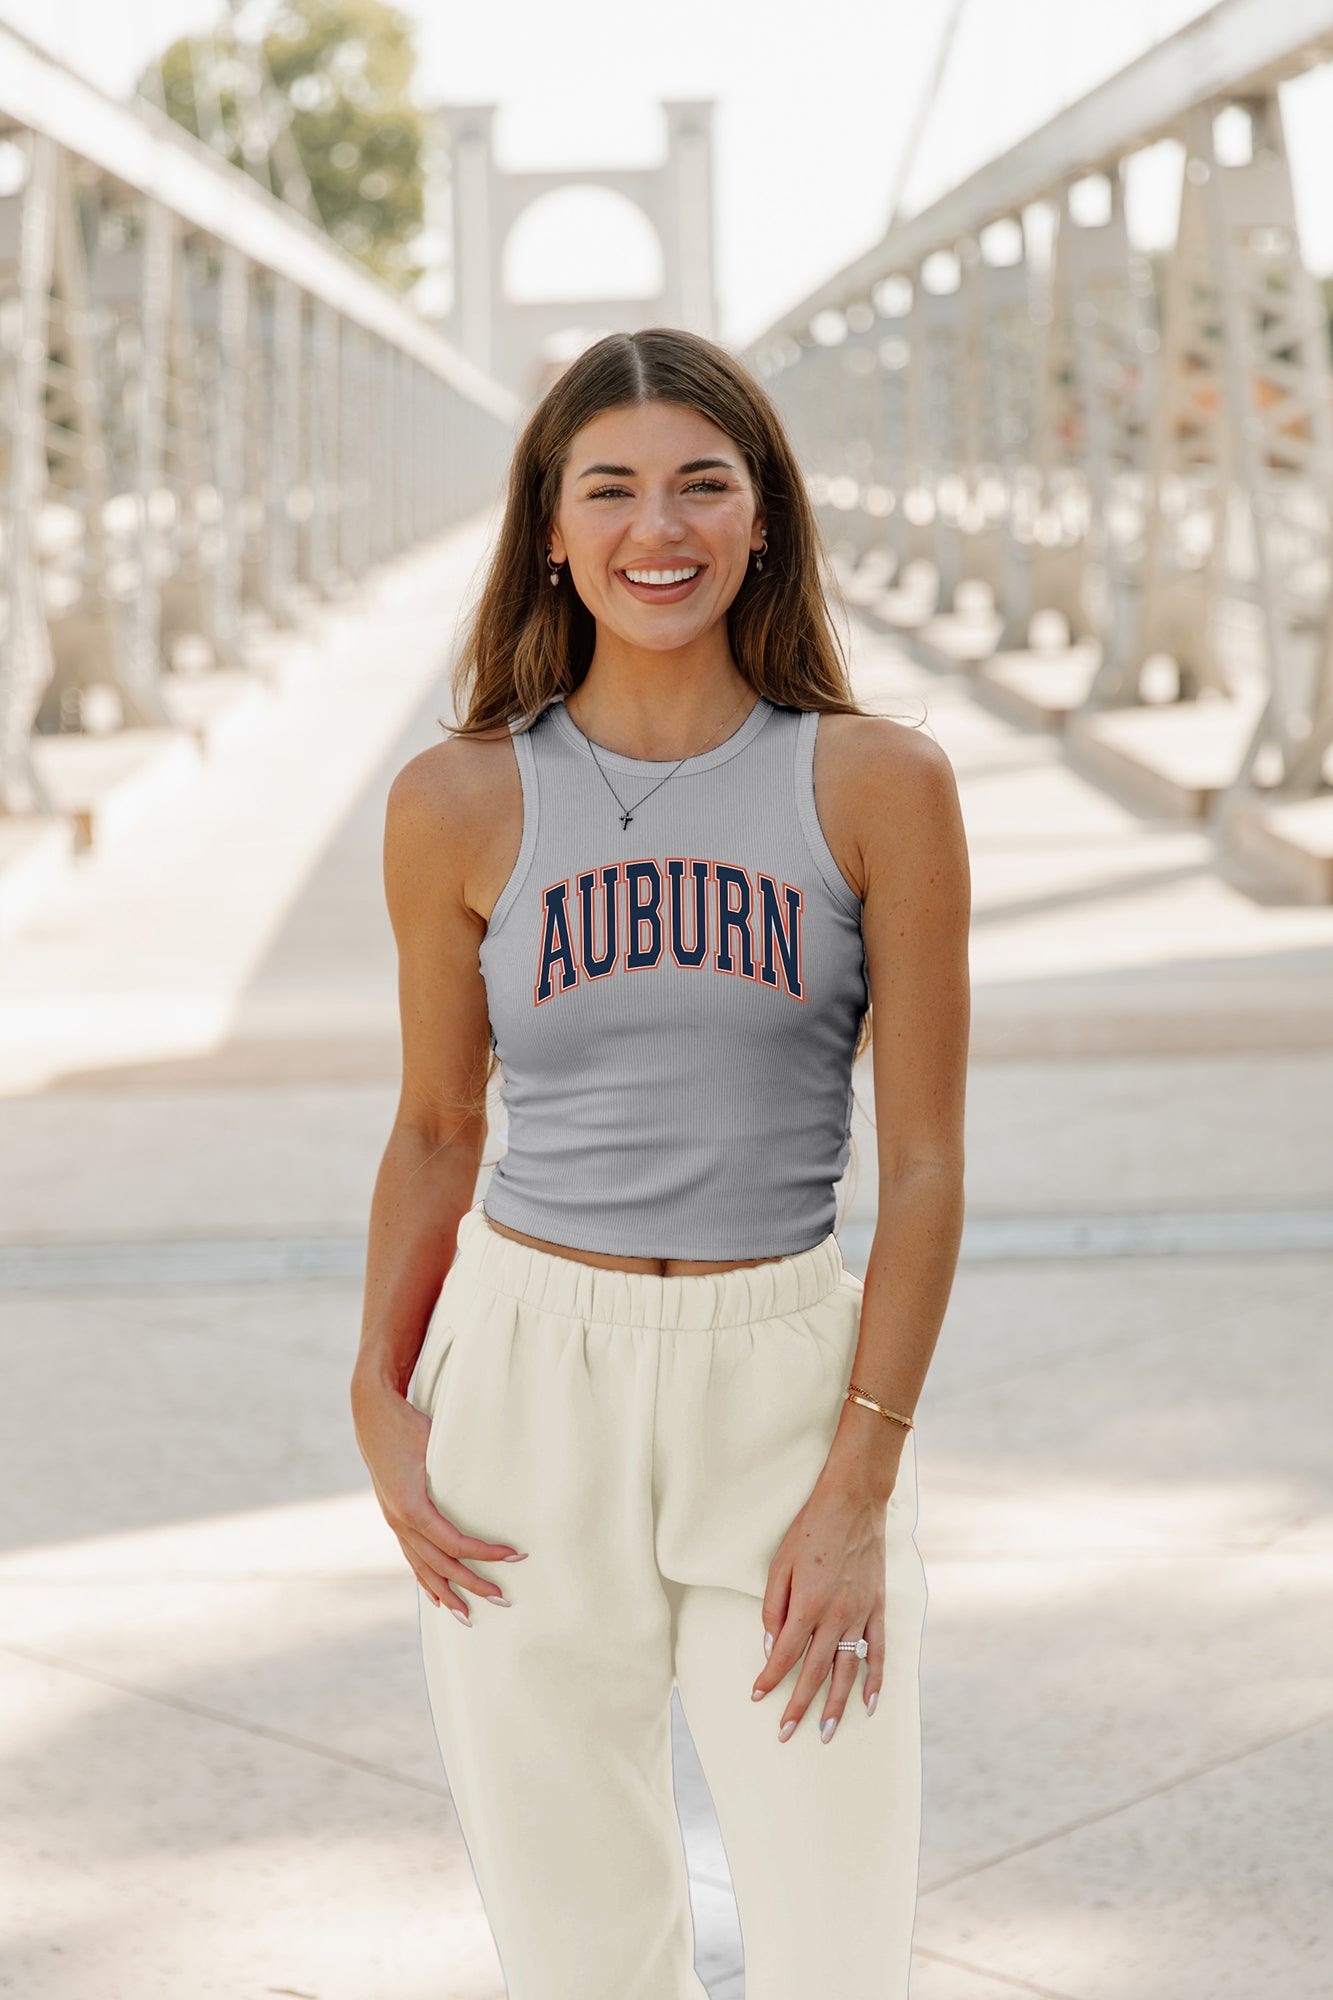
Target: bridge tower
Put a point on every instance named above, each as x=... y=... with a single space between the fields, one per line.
x=509 y=338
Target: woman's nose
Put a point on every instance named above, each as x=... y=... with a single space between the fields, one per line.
x=658 y=517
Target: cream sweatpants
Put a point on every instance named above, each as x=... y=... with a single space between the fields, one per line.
x=649 y=1440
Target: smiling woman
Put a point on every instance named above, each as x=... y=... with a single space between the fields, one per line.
x=654 y=876
x=659 y=584
x=698 y=554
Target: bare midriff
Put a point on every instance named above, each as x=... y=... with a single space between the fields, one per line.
x=658 y=1267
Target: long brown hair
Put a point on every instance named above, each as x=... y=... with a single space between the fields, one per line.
x=524 y=643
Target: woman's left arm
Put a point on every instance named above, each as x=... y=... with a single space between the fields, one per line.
x=915 y=921
x=827 y=1579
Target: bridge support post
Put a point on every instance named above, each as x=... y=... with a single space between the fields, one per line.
x=861 y=392
x=229 y=416
x=322 y=404
x=937 y=361
x=997 y=424
x=1104 y=295
x=1278 y=391
x=28 y=247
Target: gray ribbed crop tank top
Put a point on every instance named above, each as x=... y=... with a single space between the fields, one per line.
x=674 y=1003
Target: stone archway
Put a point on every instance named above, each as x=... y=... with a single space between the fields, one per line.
x=560 y=246
x=511 y=338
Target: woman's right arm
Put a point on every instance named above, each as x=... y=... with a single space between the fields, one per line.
x=427 y=1178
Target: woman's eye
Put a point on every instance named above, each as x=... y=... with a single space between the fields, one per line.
x=695 y=485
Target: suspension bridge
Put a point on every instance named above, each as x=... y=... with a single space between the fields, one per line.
x=1006 y=430
x=1078 y=512
x=1111 y=508
x=210 y=417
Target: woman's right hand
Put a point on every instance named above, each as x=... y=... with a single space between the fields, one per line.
x=392 y=1433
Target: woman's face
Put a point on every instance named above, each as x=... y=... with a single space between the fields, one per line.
x=654 y=489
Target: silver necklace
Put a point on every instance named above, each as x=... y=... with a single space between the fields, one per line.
x=626 y=812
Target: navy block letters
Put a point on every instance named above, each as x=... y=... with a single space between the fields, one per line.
x=628 y=916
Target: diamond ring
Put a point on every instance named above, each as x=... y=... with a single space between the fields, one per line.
x=857 y=1646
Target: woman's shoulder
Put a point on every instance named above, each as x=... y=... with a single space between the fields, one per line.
x=879 y=747
x=872 y=760
x=457 y=794
x=454 y=819
x=883 y=788
x=458 y=773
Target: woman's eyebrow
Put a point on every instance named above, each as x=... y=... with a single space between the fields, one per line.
x=627 y=471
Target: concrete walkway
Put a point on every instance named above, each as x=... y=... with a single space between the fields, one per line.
x=219 y=1773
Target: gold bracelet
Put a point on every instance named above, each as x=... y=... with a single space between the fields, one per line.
x=855 y=1395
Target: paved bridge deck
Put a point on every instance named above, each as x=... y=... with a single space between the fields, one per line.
x=221 y=1777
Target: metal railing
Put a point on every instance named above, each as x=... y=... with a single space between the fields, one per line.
x=1008 y=404
x=207 y=408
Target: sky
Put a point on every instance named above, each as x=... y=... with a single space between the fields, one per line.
x=813 y=110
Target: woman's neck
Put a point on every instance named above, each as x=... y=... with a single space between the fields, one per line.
x=662 y=715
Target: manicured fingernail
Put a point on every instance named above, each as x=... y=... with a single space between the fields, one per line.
x=505 y=1601
x=768 y=1645
x=870 y=1702
x=515 y=1559
x=461 y=1616
x=829 y=1725
x=785 y=1731
x=757 y=1694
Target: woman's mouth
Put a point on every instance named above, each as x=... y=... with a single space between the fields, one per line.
x=661 y=586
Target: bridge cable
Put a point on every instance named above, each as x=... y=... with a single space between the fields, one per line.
x=924 y=109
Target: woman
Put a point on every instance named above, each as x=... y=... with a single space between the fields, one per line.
x=645 y=1384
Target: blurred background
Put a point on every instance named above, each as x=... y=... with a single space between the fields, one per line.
x=1044 y=296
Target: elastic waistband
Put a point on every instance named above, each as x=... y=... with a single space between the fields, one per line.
x=646 y=1298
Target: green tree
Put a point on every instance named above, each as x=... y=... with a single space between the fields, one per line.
x=342 y=71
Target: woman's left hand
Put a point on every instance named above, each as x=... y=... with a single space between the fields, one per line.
x=826 y=1583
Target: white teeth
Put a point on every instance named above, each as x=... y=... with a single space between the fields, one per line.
x=661 y=575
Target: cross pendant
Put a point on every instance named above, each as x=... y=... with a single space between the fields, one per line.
x=625 y=818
